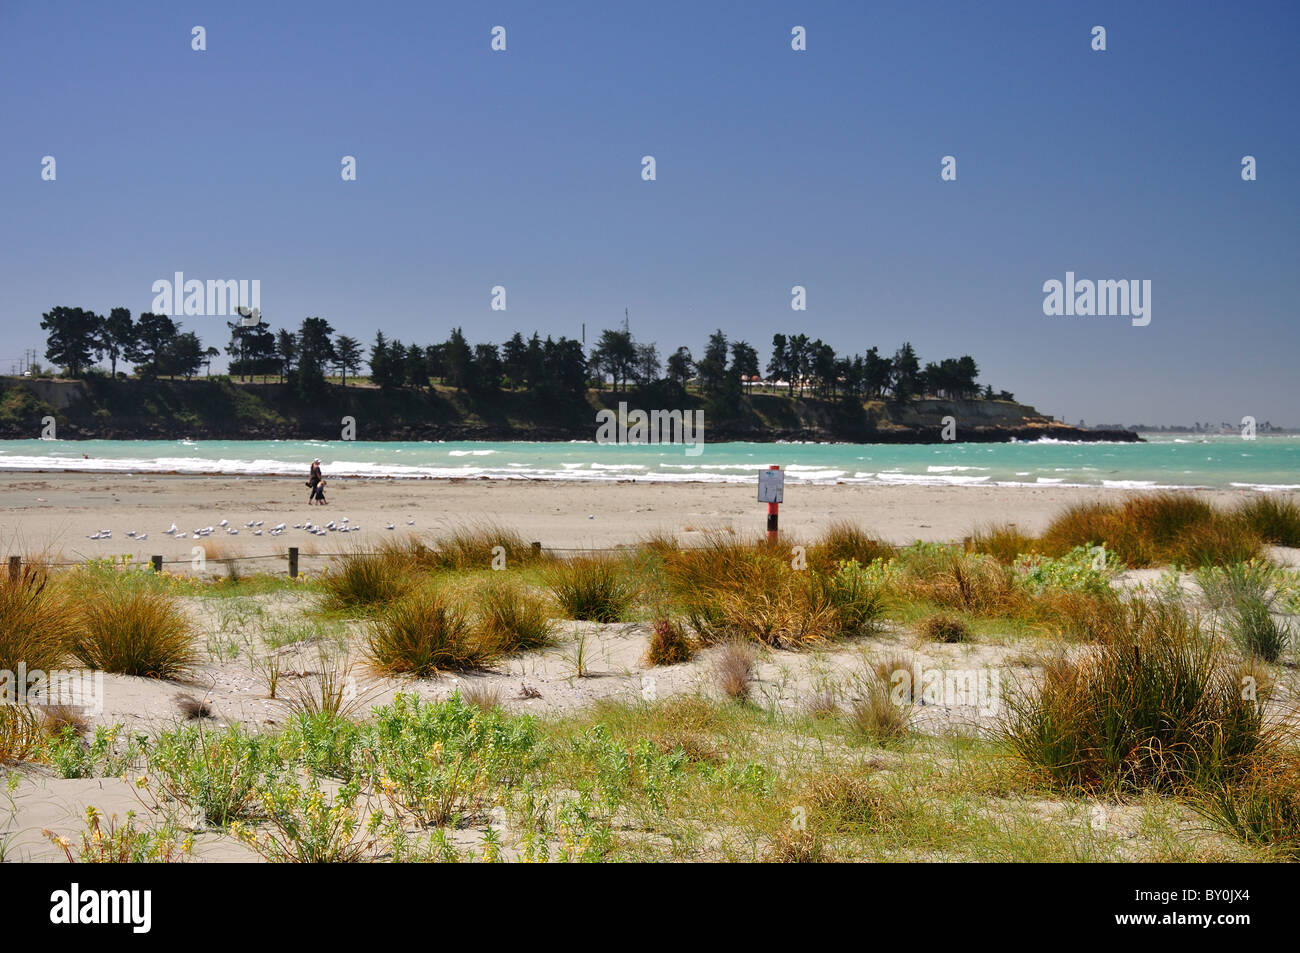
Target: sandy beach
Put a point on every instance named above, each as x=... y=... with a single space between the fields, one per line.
x=240 y=636
x=56 y=513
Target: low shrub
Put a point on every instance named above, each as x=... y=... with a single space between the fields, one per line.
x=20 y=733
x=1262 y=807
x=482 y=546
x=37 y=623
x=1274 y=519
x=215 y=773
x=591 y=588
x=138 y=632
x=763 y=592
x=954 y=579
x=422 y=634
x=1082 y=569
x=106 y=754
x=303 y=824
x=1245 y=595
x=438 y=761
x=845 y=542
x=118 y=841
x=669 y=644
x=1159 y=708
x=1155 y=529
x=360 y=580
x=324 y=744
x=1005 y=542
x=876 y=713
x=733 y=670
x=510 y=618
x=942 y=627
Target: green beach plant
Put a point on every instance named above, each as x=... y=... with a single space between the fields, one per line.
x=436 y=762
x=422 y=634
x=1160 y=709
x=362 y=580
x=215 y=773
x=1246 y=595
x=1163 y=528
x=510 y=618
x=669 y=643
x=591 y=588
x=38 y=621
x=1273 y=518
x=135 y=632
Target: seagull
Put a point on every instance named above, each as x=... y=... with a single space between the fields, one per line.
x=410 y=522
x=232 y=531
x=390 y=526
x=257 y=532
x=173 y=531
x=142 y=537
x=259 y=522
x=224 y=523
x=250 y=524
x=277 y=527
x=95 y=536
x=130 y=533
x=297 y=526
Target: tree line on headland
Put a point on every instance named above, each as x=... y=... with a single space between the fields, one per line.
x=77 y=340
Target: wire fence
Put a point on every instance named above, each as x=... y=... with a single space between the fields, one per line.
x=291 y=555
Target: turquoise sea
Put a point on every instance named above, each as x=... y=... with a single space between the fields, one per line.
x=1268 y=462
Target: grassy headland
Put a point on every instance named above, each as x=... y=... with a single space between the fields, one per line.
x=98 y=407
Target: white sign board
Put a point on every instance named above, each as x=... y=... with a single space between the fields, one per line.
x=771 y=486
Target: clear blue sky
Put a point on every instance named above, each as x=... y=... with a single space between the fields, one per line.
x=775 y=168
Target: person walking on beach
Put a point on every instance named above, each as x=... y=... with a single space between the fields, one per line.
x=313 y=480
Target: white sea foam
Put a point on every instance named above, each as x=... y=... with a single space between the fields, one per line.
x=1215 y=463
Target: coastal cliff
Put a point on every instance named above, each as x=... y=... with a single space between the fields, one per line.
x=222 y=409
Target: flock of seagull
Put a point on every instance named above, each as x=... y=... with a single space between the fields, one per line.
x=279 y=529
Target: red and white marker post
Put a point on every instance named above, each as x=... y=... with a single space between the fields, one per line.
x=771 y=490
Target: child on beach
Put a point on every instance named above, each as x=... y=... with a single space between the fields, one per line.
x=313 y=481
x=318 y=494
